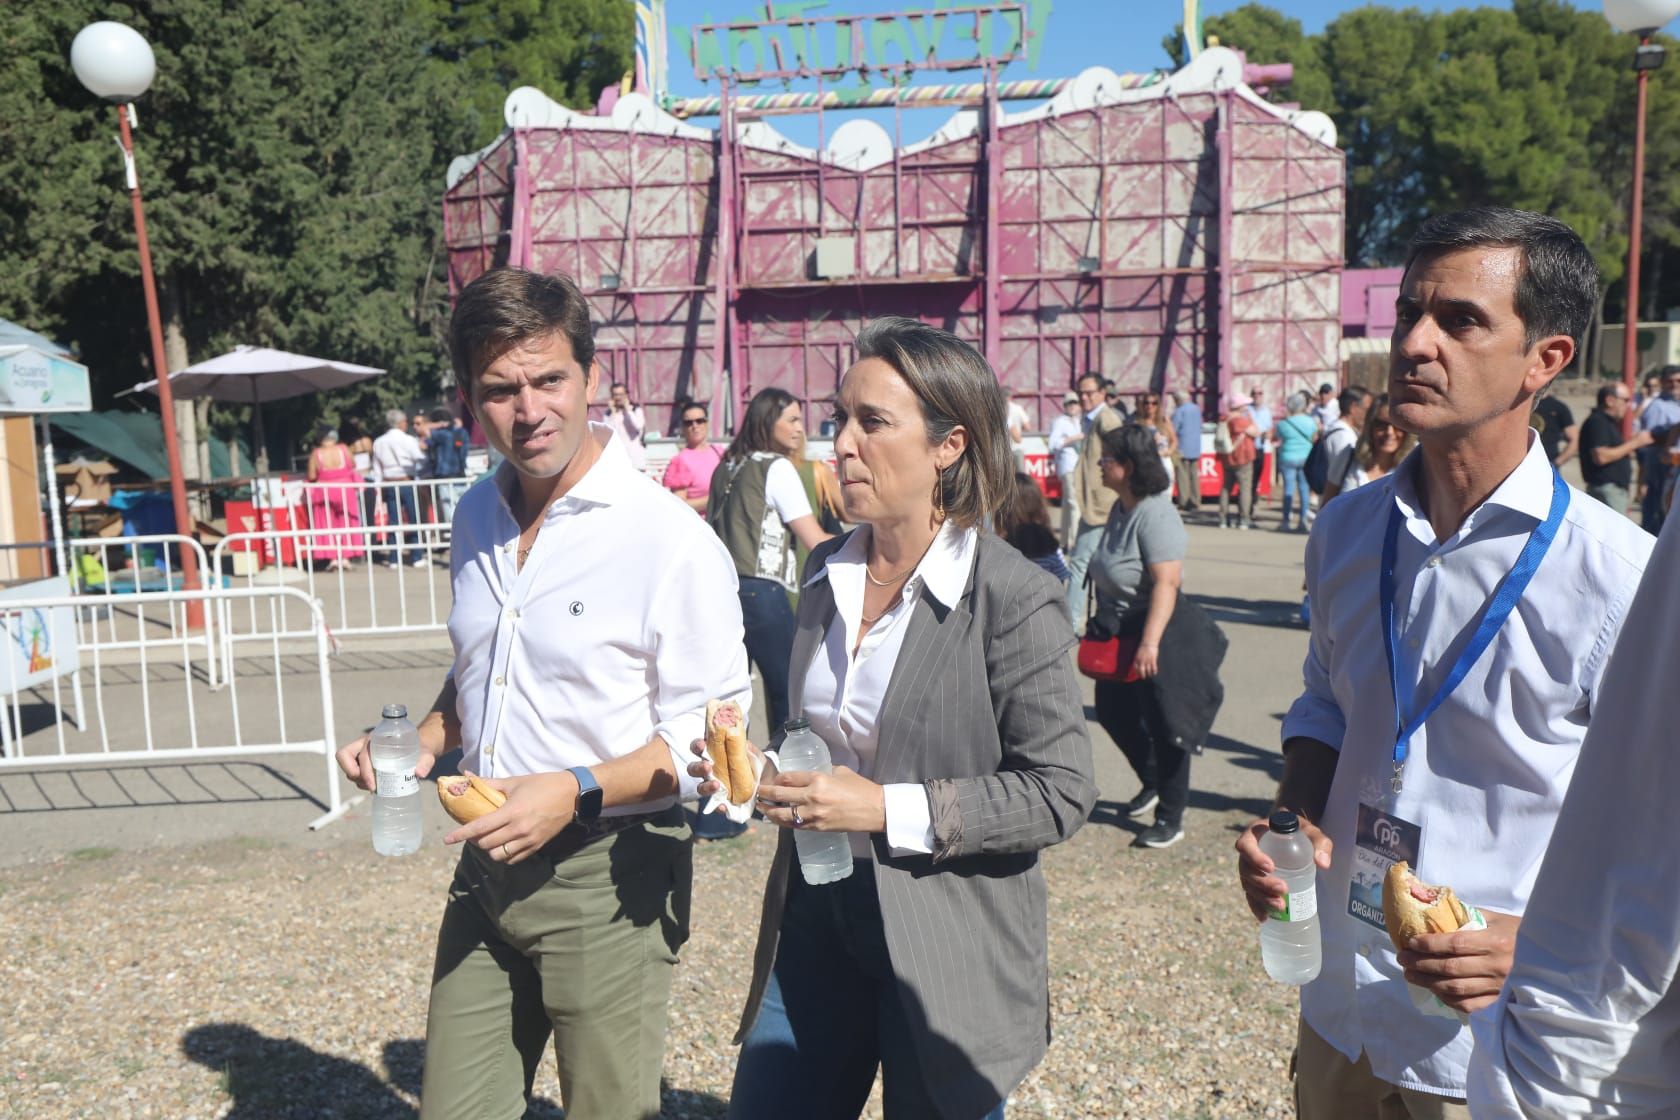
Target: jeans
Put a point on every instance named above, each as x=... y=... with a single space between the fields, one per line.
x=447 y=495
x=1085 y=544
x=1130 y=714
x=1651 y=509
x=832 y=1013
x=768 y=618
x=1294 y=486
x=400 y=509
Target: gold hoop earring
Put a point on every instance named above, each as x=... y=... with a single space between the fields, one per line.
x=939 y=496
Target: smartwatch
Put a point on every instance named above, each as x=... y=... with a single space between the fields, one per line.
x=589 y=793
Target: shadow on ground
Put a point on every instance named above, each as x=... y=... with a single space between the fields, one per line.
x=147 y=786
x=1279 y=613
x=282 y=1079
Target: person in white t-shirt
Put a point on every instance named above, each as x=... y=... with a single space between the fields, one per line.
x=758 y=507
x=1016 y=420
x=1342 y=437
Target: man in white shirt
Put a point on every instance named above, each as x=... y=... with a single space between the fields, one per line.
x=396 y=458
x=629 y=423
x=1589 y=1021
x=594 y=616
x=1067 y=431
x=1341 y=438
x=1500 y=592
x=1328 y=409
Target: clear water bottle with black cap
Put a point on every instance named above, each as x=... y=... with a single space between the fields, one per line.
x=394 y=748
x=824 y=857
x=1289 y=942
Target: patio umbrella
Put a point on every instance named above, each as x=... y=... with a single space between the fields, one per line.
x=254 y=374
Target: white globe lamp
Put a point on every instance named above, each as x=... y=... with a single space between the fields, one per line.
x=113 y=61
x=1640 y=15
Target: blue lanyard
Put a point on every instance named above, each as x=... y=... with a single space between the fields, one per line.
x=1504 y=601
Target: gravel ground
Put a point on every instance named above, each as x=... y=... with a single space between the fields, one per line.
x=250 y=980
x=270 y=974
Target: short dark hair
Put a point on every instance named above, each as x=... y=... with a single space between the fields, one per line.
x=1084 y=377
x=1668 y=371
x=763 y=411
x=625 y=385
x=1351 y=398
x=1605 y=392
x=441 y=415
x=705 y=412
x=1133 y=446
x=1327 y=388
x=955 y=387
x=509 y=307
x=1557 y=287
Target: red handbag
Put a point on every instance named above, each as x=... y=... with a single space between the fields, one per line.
x=1112 y=659
x=1106 y=658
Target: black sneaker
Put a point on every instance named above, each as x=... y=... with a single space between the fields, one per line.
x=1159 y=835
x=1141 y=804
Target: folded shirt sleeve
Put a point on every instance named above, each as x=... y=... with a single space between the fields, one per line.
x=909 y=819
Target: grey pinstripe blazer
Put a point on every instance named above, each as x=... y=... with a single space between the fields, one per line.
x=984 y=710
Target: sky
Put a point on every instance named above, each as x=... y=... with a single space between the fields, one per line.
x=1124 y=35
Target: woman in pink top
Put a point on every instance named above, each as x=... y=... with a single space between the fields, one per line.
x=690 y=471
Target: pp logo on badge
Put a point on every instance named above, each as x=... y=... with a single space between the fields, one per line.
x=576 y=608
x=1386 y=833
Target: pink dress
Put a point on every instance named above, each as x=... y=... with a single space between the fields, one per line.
x=335 y=503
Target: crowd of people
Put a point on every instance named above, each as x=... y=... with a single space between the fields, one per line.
x=919 y=610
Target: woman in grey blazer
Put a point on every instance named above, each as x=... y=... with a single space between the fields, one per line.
x=933 y=660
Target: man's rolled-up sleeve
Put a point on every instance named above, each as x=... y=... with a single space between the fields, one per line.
x=699 y=649
x=1315 y=714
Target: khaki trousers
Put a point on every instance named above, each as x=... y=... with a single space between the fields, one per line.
x=580 y=947
x=1187 y=476
x=1329 y=1087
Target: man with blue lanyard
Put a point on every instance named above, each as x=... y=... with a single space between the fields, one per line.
x=1464 y=606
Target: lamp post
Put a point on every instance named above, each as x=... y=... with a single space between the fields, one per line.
x=115 y=62
x=1642 y=18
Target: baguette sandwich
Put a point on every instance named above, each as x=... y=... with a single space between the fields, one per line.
x=467 y=798
x=1412 y=908
x=726 y=746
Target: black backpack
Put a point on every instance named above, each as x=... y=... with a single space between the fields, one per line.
x=1317 y=467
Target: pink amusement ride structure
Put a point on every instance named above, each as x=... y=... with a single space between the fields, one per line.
x=1173 y=231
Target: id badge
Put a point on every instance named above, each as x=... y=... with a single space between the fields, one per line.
x=1380 y=841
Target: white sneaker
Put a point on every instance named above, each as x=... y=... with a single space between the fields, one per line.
x=421 y=563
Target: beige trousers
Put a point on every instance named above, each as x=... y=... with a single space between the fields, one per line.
x=1329 y=1087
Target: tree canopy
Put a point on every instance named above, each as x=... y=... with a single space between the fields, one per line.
x=1529 y=106
x=292 y=161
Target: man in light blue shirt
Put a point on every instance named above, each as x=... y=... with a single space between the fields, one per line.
x=1659 y=416
x=1187 y=464
x=1491 y=309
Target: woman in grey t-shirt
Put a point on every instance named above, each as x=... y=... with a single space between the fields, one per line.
x=1138 y=567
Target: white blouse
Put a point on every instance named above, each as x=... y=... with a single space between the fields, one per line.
x=844 y=693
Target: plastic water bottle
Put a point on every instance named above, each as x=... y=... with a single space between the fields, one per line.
x=824 y=857
x=395 y=749
x=1289 y=943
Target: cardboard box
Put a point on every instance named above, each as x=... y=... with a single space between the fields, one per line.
x=90 y=482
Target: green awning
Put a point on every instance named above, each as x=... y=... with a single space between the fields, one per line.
x=136 y=438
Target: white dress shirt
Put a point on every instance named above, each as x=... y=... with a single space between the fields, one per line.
x=622 y=624
x=1488 y=771
x=1589 y=1021
x=397 y=455
x=843 y=693
x=1065 y=433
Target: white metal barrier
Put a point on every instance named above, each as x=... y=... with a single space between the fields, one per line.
x=187 y=719
x=377 y=590
x=112 y=574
